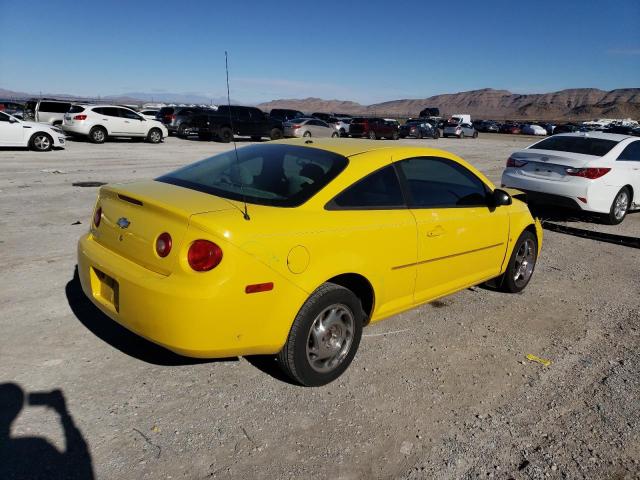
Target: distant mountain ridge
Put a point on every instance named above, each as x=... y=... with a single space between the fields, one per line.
x=571 y=104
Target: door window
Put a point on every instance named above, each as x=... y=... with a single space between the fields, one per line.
x=124 y=113
x=4 y=117
x=377 y=191
x=111 y=111
x=631 y=153
x=440 y=183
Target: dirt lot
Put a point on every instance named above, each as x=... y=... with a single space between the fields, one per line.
x=443 y=391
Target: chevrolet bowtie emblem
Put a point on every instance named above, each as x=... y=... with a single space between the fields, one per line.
x=123 y=222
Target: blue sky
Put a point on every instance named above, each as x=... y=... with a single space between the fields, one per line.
x=367 y=51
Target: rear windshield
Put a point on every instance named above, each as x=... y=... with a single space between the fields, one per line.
x=166 y=111
x=583 y=145
x=277 y=175
x=76 y=109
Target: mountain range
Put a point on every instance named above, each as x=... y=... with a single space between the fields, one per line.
x=570 y=104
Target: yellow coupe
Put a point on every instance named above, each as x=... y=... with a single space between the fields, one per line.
x=291 y=247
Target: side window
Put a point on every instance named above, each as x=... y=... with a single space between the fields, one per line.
x=631 y=153
x=440 y=183
x=110 y=111
x=377 y=191
x=124 y=113
x=242 y=114
x=98 y=110
x=4 y=117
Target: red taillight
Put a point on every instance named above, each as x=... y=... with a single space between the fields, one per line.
x=204 y=255
x=295 y=126
x=163 y=245
x=97 y=217
x=589 y=173
x=173 y=117
x=80 y=117
x=512 y=162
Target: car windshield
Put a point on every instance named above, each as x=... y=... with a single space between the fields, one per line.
x=277 y=175
x=582 y=145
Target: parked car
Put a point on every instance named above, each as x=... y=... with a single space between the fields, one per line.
x=531 y=129
x=290 y=249
x=419 y=129
x=12 y=108
x=308 y=127
x=595 y=172
x=430 y=112
x=341 y=124
x=459 y=130
x=284 y=114
x=373 y=128
x=149 y=114
x=488 y=127
x=37 y=136
x=511 y=128
x=322 y=116
x=227 y=122
x=99 y=122
x=549 y=127
x=623 y=130
x=179 y=120
x=46 y=110
x=566 y=128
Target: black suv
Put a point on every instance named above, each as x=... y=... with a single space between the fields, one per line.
x=179 y=120
x=246 y=121
x=284 y=114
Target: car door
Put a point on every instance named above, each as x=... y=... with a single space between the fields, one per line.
x=132 y=123
x=629 y=162
x=12 y=133
x=110 y=118
x=461 y=240
x=372 y=213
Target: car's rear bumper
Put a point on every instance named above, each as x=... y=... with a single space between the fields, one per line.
x=76 y=128
x=195 y=316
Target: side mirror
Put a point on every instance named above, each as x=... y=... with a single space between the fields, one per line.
x=500 y=198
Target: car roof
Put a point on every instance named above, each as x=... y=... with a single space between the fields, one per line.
x=352 y=147
x=616 y=137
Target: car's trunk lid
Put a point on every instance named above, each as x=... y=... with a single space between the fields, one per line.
x=550 y=164
x=134 y=216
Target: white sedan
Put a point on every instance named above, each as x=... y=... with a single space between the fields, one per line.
x=37 y=136
x=595 y=172
x=533 y=130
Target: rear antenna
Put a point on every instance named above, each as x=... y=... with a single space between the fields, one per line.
x=245 y=213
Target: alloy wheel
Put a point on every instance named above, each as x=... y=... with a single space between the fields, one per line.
x=330 y=338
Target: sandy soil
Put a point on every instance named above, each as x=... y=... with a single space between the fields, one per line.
x=442 y=391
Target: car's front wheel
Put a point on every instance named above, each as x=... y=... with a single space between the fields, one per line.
x=41 y=142
x=154 y=135
x=372 y=135
x=324 y=336
x=521 y=264
x=619 y=207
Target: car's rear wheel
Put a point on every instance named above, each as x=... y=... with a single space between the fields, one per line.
x=324 y=336
x=521 y=264
x=41 y=142
x=395 y=136
x=475 y=134
x=372 y=135
x=182 y=130
x=98 y=135
x=226 y=135
x=461 y=135
x=276 y=134
x=436 y=134
x=306 y=134
x=335 y=135
x=619 y=207
x=154 y=135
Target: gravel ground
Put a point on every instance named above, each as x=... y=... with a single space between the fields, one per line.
x=441 y=391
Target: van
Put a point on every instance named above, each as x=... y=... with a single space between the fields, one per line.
x=46 y=110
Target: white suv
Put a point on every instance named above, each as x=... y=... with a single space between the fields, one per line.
x=101 y=121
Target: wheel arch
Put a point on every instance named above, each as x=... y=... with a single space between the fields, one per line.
x=361 y=287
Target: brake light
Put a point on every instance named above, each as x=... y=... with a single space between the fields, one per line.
x=97 y=217
x=163 y=244
x=204 y=255
x=295 y=126
x=512 y=162
x=589 y=173
x=173 y=117
x=80 y=117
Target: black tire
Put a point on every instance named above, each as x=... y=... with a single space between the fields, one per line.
x=619 y=207
x=461 y=135
x=307 y=134
x=436 y=134
x=510 y=282
x=419 y=135
x=372 y=135
x=335 y=135
x=98 y=135
x=475 y=134
x=154 y=135
x=182 y=130
x=343 y=132
x=256 y=138
x=225 y=135
x=295 y=357
x=41 y=142
x=276 y=134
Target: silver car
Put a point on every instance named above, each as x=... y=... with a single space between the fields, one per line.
x=459 y=130
x=308 y=127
